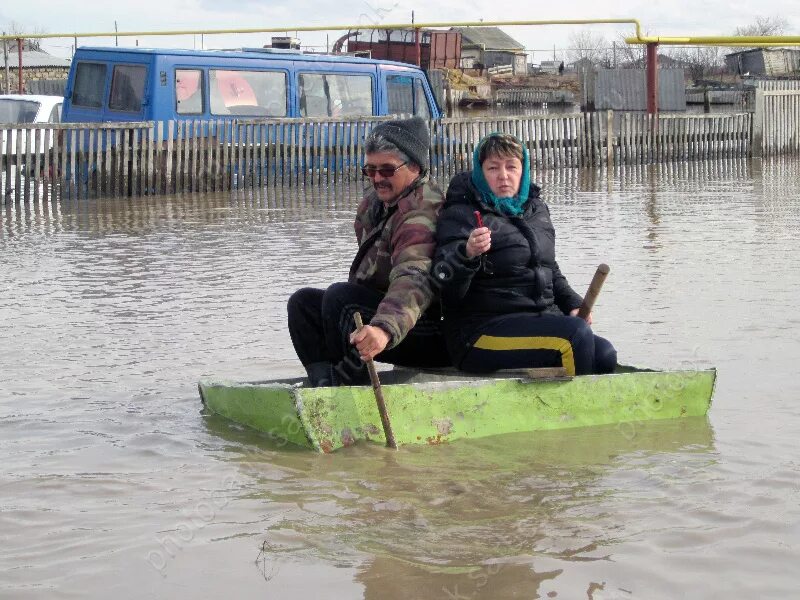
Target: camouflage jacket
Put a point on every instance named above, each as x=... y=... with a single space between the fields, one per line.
x=396 y=245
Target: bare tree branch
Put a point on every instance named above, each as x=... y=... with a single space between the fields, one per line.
x=14 y=28
x=699 y=61
x=776 y=25
x=586 y=44
x=629 y=55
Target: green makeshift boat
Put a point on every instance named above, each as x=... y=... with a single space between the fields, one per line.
x=431 y=408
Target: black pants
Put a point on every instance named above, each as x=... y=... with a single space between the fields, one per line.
x=321 y=321
x=529 y=340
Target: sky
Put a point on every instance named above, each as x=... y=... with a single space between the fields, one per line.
x=677 y=18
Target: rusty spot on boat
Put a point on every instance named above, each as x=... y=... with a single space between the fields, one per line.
x=443 y=426
x=371 y=429
x=436 y=440
x=368 y=432
x=347 y=437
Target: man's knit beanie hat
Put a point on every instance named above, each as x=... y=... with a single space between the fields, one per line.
x=411 y=136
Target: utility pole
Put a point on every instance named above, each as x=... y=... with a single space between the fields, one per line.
x=8 y=71
x=20 y=87
x=652 y=79
x=116 y=38
x=417 y=50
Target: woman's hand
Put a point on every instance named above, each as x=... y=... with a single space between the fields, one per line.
x=479 y=242
x=370 y=341
x=574 y=313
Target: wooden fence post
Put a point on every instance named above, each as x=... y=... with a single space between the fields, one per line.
x=757 y=135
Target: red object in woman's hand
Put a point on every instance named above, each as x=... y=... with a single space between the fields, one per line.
x=479 y=241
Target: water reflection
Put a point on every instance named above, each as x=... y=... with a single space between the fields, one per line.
x=394 y=578
x=773 y=178
x=480 y=516
x=126 y=215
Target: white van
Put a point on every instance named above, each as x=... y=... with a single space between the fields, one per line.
x=23 y=109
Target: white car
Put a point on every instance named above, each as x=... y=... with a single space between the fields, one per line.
x=21 y=109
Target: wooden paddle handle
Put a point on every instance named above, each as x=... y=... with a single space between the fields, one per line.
x=594 y=290
x=376 y=387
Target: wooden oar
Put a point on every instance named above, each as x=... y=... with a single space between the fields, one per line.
x=593 y=291
x=376 y=387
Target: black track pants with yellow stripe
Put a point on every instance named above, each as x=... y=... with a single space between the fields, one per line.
x=529 y=340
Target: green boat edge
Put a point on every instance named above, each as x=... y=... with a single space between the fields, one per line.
x=433 y=409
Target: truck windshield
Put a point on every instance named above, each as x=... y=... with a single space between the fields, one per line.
x=18 y=111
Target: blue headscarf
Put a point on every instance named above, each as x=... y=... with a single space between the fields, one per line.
x=508 y=206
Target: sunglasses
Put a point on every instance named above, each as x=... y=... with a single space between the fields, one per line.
x=386 y=172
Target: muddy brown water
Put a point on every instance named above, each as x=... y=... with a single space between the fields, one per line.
x=115 y=483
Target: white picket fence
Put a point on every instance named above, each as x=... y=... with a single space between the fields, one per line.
x=136 y=159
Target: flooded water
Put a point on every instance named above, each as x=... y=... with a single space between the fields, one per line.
x=114 y=483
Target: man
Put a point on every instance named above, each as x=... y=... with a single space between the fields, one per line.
x=388 y=282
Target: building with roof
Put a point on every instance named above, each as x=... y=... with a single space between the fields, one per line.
x=764 y=61
x=438 y=49
x=487 y=47
x=42 y=73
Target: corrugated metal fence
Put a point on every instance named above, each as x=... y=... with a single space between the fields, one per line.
x=626 y=89
x=136 y=159
x=47 y=87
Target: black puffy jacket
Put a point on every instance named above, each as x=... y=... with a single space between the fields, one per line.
x=518 y=274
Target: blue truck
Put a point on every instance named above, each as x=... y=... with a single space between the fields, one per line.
x=138 y=84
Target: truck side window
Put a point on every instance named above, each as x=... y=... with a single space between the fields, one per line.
x=189 y=91
x=400 y=94
x=247 y=93
x=55 y=114
x=313 y=99
x=127 y=88
x=421 y=109
x=90 y=83
x=335 y=95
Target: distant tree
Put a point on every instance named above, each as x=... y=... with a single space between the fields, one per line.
x=586 y=44
x=699 y=61
x=628 y=56
x=14 y=28
x=776 y=25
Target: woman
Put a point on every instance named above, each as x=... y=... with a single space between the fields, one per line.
x=505 y=303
